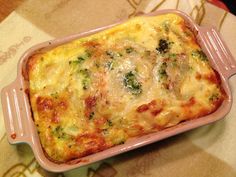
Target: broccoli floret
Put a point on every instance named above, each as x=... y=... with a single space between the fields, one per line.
x=85 y=74
x=199 y=54
x=163 y=46
x=131 y=82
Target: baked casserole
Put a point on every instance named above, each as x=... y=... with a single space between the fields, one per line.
x=139 y=77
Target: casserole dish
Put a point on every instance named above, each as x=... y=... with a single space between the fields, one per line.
x=19 y=119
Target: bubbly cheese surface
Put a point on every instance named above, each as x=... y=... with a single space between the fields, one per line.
x=139 y=77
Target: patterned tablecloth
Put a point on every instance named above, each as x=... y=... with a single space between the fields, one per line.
x=209 y=151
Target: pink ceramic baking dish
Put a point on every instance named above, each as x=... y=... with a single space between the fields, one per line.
x=20 y=125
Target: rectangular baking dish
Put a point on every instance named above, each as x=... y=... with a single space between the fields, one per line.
x=20 y=125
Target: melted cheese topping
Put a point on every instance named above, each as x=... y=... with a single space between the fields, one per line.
x=139 y=77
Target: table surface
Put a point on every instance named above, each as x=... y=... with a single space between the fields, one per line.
x=206 y=151
x=7 y=6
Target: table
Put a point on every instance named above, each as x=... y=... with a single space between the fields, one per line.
x=206 y=151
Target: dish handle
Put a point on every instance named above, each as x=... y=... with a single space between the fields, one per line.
x=16 y=113
x=218 y=51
